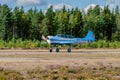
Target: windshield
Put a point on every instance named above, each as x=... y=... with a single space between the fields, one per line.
x=64 y=36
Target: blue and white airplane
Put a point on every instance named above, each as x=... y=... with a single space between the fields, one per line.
x=61 y=39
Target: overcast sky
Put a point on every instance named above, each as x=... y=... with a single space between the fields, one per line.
x=58 y=4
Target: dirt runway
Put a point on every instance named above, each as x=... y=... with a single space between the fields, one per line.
x=23 y=60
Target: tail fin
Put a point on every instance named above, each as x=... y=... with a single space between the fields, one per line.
x=90 y=36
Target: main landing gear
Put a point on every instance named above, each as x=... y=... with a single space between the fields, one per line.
x=69 y=50
x=57 y=50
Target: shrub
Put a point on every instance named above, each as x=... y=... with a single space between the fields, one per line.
x=2 y=44
x=31 y=44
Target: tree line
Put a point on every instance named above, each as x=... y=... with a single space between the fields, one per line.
x=32 y=24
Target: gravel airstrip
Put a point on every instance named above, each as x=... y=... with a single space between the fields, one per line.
x=26 y=60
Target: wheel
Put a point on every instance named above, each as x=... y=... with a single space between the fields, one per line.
x=57 y=49
x=50 y=49
x=69 y=50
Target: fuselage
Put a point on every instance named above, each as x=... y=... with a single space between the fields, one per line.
x=62 y=39
x=67 y=39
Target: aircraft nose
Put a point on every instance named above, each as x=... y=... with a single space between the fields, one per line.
x=47 y=38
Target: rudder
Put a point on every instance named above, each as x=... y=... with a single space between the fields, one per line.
x=90 y=36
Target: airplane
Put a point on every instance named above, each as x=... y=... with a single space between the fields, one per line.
x=62 y=39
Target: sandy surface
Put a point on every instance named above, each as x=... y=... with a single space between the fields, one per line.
x=24 y=60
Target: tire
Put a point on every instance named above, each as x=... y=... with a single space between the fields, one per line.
x=69 y=50
x=57 y=49
x=50 y=49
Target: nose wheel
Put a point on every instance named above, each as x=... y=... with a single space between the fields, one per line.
x=50 y=49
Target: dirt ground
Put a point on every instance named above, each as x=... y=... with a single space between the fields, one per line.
x=24 y=60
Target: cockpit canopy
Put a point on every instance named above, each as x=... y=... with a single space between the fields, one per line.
x=64 y=36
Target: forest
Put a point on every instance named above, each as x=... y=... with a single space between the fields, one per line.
x=32 y=24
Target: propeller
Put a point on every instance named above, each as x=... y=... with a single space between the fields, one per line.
x=43 y=37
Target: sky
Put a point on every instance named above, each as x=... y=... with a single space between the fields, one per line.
x=58 y=4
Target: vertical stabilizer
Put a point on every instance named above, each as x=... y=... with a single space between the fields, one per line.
x=90 y=36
